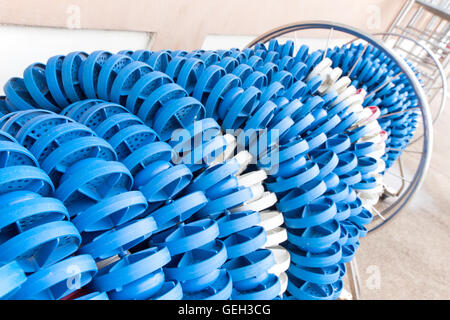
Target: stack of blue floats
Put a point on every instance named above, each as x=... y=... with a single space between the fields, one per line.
x=87 y=153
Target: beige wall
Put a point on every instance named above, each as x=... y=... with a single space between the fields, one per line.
x=183 y=24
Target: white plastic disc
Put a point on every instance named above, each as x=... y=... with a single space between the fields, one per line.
x=267 y=200
x=282 y=260
x=275 y=237
x=252 y=178
x=271 y=219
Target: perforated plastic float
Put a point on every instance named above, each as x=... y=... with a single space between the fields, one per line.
x=91 y=151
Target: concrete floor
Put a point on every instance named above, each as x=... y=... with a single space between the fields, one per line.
x=410 y=256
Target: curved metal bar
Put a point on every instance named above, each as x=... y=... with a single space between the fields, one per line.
x=425 y=110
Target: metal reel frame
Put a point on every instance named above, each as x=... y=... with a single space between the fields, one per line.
x=403 y=195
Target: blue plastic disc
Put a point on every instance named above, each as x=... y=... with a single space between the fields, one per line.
x=174 y=66
x=351 y=178
x=312 y=214
x=261 y=117
x=232 y=200
x=206 y=82
x=186 y=237
x=144 y=87
x=326 y=258
x=314 y=141
x=250 y=283
x=169 y=291
x=179 y=210
x=362 y=218
x=348 y=252
x=73 y=151
x=325 y=124
x=302 y=195
x=266 y=290
x=271 y=92
x=250 y=265
x=296 y=91
x=54 y=138
x=303 y=175
x=109 y=127
x=76 y=110
x=255 y=79
x=176 y=114
x=69 y=72
x=111 y=212
x=146 y=155
x=156 y=98
x=28 y=209
x=162 y=181
x=66 y=277
x=25 y=178
x=288 y=168
x=129 y=139
x=289 y=150
x=159 y=60
x=344 y=236
x=93 y=116
x=352 y=231
x=37 y=126
x=338 y=143
x=343 y=211
x=218 y=290
x=99 y=179
x=338 y=286
x=130 y=269
x=90 y=70
x=12 y=277
x=17 y=95
x=229 y=64
x=347 y=162
x=331 y=180
x=346 y=122
x=125 y=80
x=53 y=76
x=204 y=154
x=118 y=240
x=141 y=289
x=109 y=73
x=366 y=184
x=94 y=296
x=40 y=245
x=214 y=175
x=4 y=136
x=245 y=241
x=201 y=283
x=363 y=148
x=338 y=193
x=326 y=160
x=231 y=222
x=12 y=154
x=358 y=133
x=316 y=238
x=219 y=98
x=303 y=290
x=324 y=275
x=196 y=263
x=36 y=84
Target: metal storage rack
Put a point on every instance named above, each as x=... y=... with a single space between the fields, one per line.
x=424 y=24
